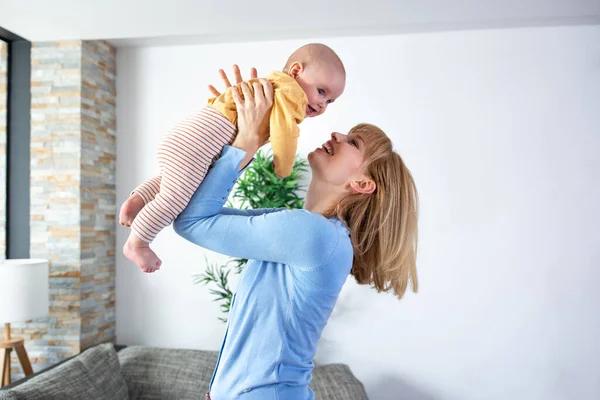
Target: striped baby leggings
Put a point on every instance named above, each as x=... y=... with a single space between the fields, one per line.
x=184 y=156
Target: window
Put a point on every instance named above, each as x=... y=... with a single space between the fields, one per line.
x=15 y=117
x=3 y=120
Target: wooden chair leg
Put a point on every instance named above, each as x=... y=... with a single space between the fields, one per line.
x=24 y=360
x=5 y=368
x=2 y=356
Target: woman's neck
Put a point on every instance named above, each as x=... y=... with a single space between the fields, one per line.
x=321 y=198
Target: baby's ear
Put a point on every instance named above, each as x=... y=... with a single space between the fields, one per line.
x=295 y=69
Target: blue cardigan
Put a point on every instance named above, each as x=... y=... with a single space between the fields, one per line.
x=298 y=264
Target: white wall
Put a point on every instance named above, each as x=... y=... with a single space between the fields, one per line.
x=501 y=129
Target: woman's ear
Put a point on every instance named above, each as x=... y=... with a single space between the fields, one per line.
x=363 y=186
x=295 y=69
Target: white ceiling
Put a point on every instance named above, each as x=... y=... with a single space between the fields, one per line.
x=136 y=22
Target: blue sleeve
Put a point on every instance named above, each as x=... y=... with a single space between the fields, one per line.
x=249 y=213
x=294 y=237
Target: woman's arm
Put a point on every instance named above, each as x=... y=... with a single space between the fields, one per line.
x=294 y=237
x=238 y=79
x=251 y=112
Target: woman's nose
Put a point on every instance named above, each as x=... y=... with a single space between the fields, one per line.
x=336 y=136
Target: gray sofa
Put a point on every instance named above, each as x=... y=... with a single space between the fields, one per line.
x=149 y=373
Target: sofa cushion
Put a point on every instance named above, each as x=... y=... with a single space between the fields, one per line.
x=336 y=382
x=94 y=374
x=154 y=373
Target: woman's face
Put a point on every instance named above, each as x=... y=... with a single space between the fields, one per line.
x=339 y=161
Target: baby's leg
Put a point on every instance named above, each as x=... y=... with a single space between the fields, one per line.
x=184 y=157
x=142 y=195
x=179 y=182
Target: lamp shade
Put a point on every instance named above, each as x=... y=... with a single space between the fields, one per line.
x=23 y=289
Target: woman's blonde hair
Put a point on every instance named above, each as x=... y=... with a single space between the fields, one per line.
x=382 y=224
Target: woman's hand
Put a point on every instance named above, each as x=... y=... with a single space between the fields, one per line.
x=238 y=79
x=251 y=111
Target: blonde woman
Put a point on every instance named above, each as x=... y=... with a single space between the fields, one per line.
x=360 y=218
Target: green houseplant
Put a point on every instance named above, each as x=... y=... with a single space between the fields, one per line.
x=258 y=187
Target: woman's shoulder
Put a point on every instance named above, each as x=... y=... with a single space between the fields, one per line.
x=318 y=221
x=327 y=237
x=328 y=250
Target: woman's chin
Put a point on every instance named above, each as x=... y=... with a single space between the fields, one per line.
x=313 y=156
x=316 y=162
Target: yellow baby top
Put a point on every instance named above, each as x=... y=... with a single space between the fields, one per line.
x=281 y=128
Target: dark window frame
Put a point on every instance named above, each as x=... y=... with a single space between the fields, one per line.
x=18 y=132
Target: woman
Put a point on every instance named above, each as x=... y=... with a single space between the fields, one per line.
x=360 y=218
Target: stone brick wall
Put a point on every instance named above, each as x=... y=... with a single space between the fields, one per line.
x=3 y=93
x=73 y=197
x=98 y=194
x=55 y=196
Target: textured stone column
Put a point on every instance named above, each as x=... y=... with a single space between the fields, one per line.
x=3 y=99
x=98 y=193
x=73 y=150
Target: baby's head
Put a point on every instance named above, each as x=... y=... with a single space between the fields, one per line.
x=320 y=73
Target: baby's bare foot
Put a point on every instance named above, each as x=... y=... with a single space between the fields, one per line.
x=140 y=253
x=130 y=209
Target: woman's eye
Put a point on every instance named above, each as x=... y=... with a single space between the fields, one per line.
x=354 y=143
x=321 y=91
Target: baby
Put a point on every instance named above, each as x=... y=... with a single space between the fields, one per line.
x=312 y=78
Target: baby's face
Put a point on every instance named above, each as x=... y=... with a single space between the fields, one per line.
x=322 y=85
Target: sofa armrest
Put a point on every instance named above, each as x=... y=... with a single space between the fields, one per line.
x=94 y=375
x=336 y=382
x=14 y=384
